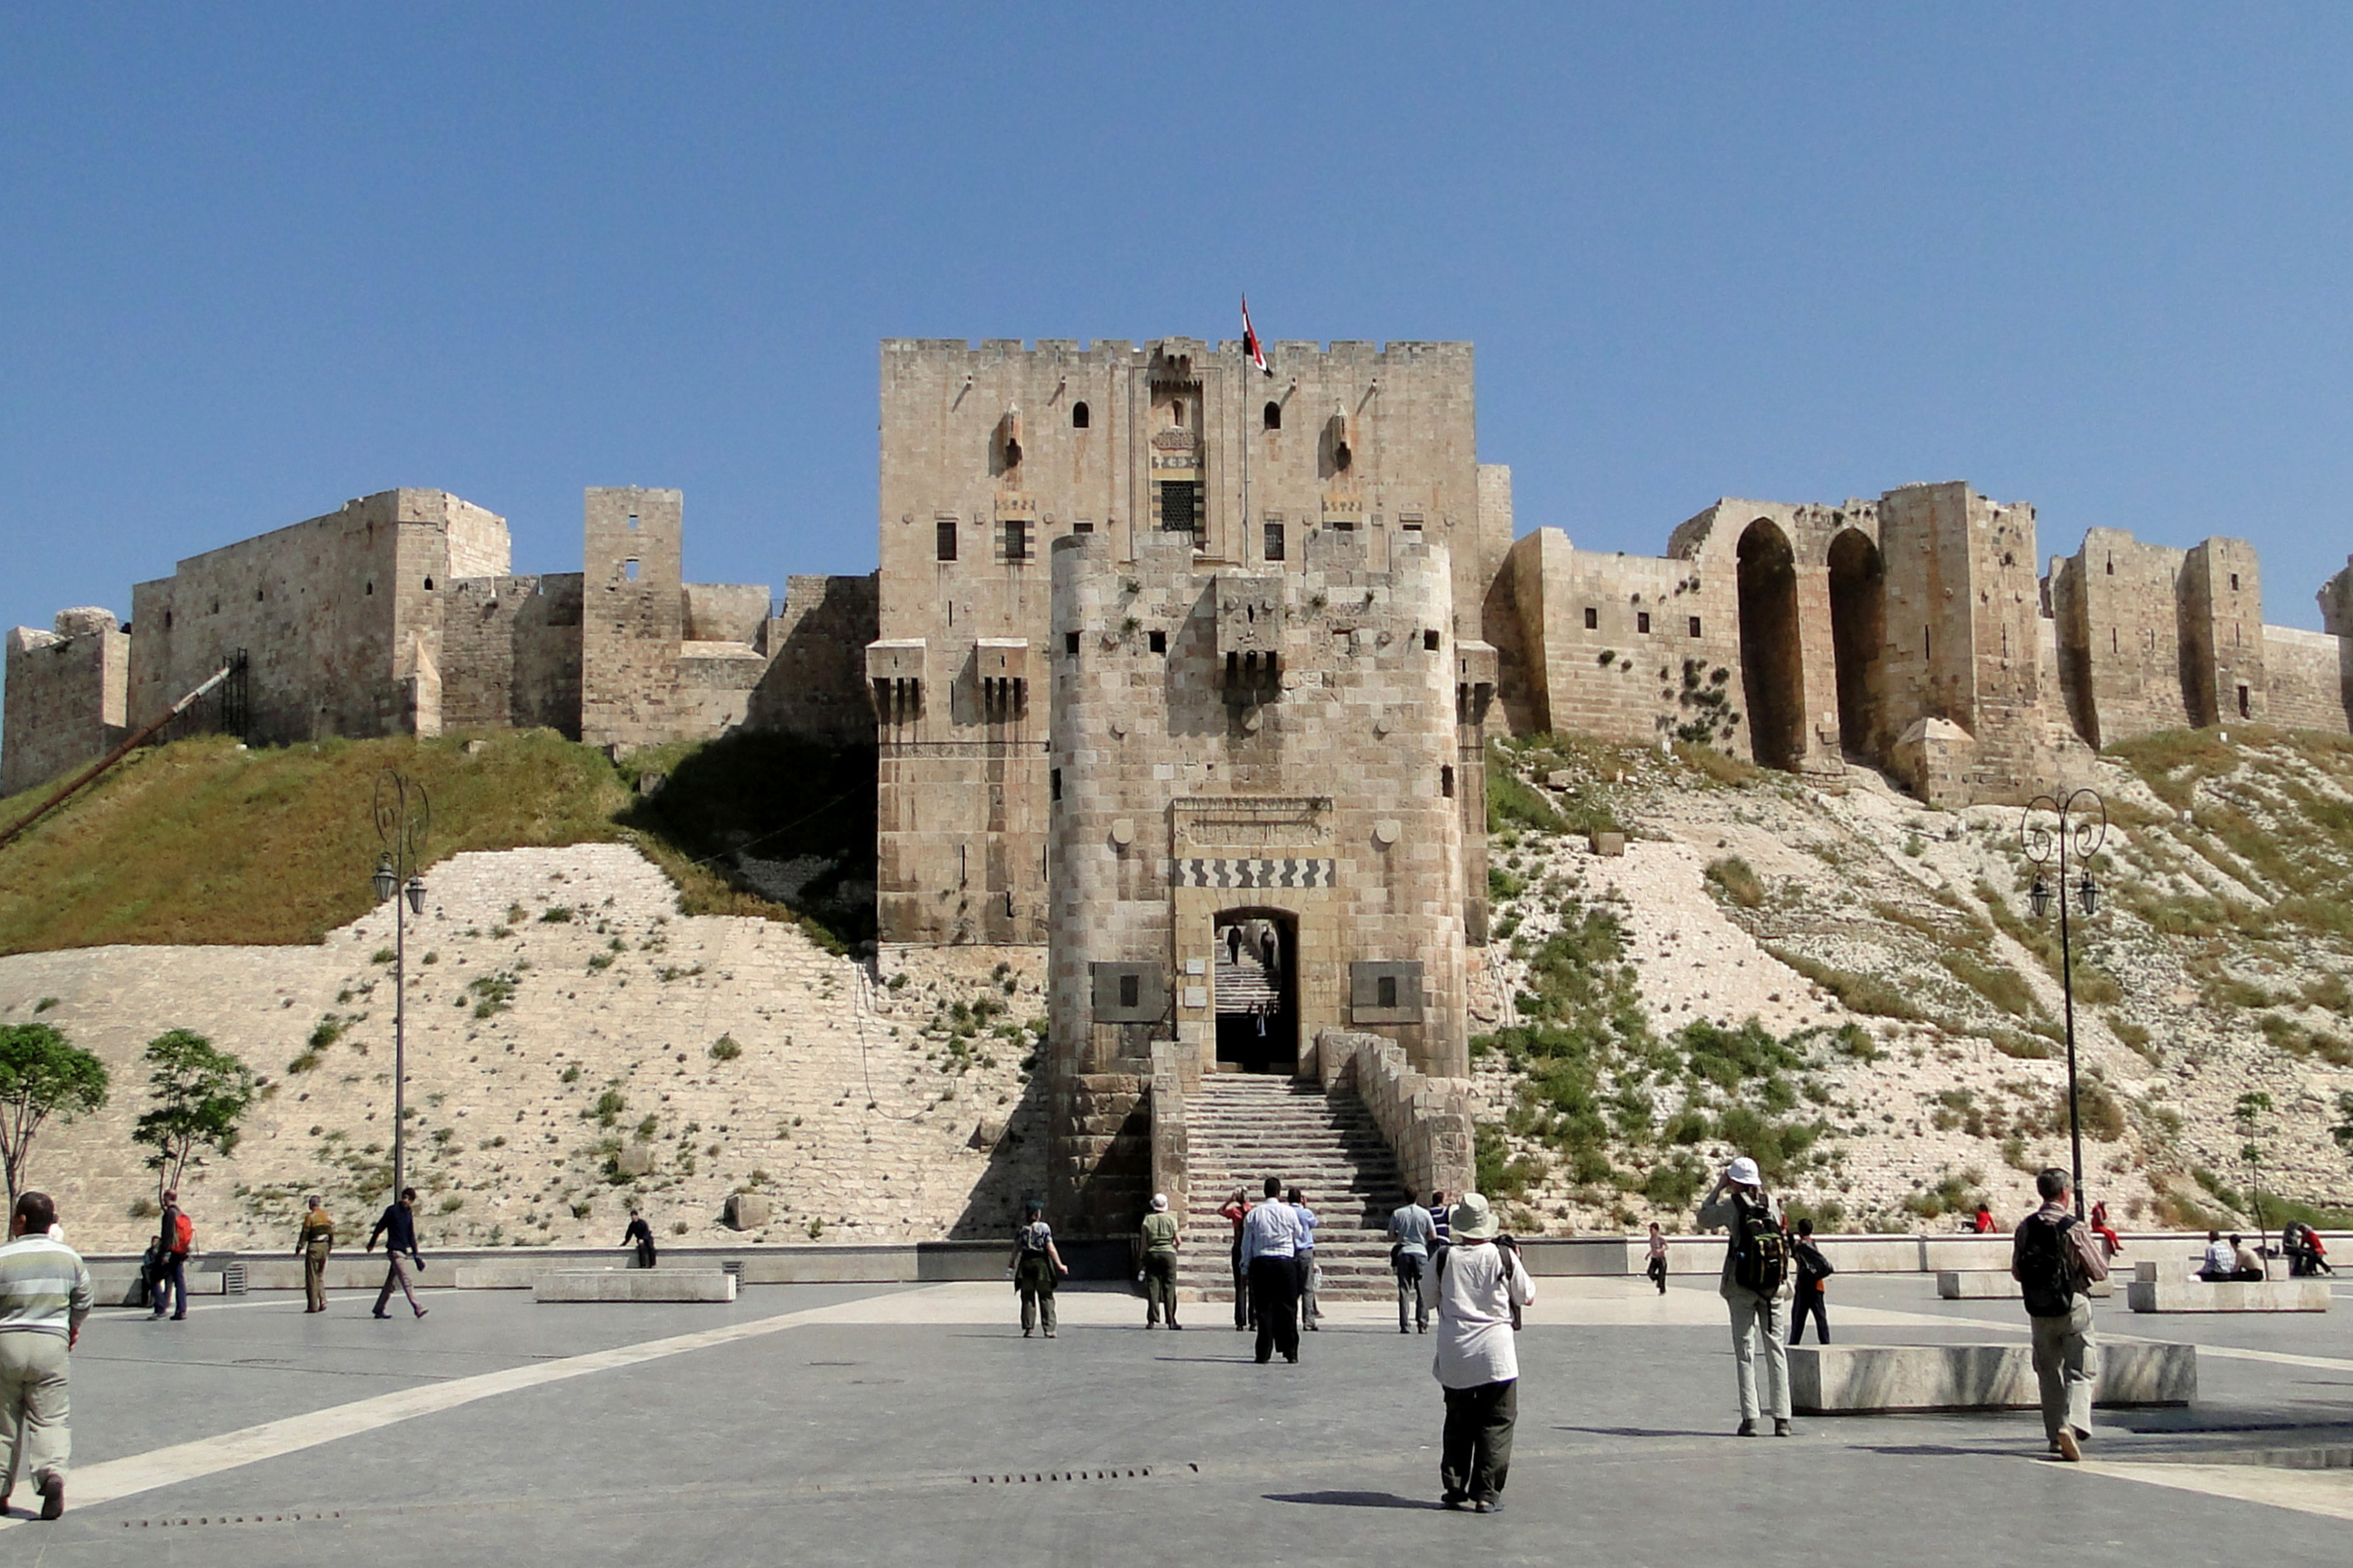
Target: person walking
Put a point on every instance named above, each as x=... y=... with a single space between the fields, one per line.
x=1480 y=1283
x=1411 y=1234
x=45 y=1294
x=1036 y=1268
x=175 y=1234
x=1657 y=1267
x=639 y=1235
x=398 y=1229
x=1237 y=1209
x=1304 y=1259
x=312 y=1244
x=1162 y=1237
x=1813 y=1273
x=2053 y=1259
x=1756 y=1287
x=1271 y=1239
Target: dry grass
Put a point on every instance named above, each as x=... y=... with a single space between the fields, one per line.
x=202 y=842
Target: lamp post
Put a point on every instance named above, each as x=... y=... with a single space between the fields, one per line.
x=402 y=815
x=2082 y=828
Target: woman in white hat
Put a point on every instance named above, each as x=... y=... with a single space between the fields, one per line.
x=1756 y=1286
x=1161 y=1238
x=1479 y=1285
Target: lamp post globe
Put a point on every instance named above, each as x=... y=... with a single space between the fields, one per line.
x=2082 y=828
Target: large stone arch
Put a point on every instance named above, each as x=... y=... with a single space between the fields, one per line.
x=1858 y=583
x=1772 y=658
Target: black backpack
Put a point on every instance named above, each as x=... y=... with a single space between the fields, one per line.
x=2046 y=1277
x=1760 y=1252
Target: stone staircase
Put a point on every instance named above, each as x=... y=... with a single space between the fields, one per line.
x=1240 y=1129
x=1242 y=983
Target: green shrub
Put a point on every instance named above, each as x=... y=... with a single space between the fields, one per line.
x=725 y=1049
x=1738 y=883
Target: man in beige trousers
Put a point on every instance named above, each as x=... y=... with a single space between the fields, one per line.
x=44 y=1296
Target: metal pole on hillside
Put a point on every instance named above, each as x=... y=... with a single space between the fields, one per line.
x=2082 y=828
x=403 y=816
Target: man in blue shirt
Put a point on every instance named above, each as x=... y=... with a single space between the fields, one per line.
x=398 y=1229
x=1271 y=1242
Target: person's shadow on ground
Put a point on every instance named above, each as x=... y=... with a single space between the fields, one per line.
x=1353 y=1500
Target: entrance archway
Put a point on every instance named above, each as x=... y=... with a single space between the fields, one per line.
x=1858 y=633
x=1772 y=668
x=1258 y=990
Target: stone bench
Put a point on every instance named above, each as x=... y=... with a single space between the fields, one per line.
x=635 y=1285
x=1861 y=1380
x=2228 y=1296
x=1995 y=1284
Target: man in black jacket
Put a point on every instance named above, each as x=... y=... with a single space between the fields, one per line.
x=1813 y=1269
x=399 y=1227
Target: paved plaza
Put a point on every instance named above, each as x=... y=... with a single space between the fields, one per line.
x=912 y=1424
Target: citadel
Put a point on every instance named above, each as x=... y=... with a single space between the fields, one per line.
x=1168 y=658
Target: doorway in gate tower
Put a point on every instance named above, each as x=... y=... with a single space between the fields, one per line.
x=1257 y=991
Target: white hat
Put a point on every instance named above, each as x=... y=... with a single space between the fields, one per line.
x=1743 y=1171
x=1160 y=1203
x=1473 y=1219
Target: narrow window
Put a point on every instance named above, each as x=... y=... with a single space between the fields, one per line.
x=1446 y=781
x=1017 y=539
x=630 y=570
x=1429 y=640
x=371 y=588
x=2234 y=582
x=1643 y=621
x=167 y=620
x=2245 y=713
x=1079 y=416
x=2112 y=565
x=964 y=877
x=1071 y=644
x=1694 y=626
x=428 y=587
x=1056 y=780
x=1592 y=618
x=1271 y=416
x=1157 y=641
x=945 y=538
x=1130 y=991
x=1386 y=991
x=2115 y=640
x=633 y=522
x=1924 y=642
x=1179 y=506
x=1274 y=542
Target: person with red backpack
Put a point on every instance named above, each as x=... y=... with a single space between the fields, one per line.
x=1757 y=1288
x=2054 y=1259
x=174 y=1237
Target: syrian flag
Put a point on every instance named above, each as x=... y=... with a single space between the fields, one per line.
x=1251 y=345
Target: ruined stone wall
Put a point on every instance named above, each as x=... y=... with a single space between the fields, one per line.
x=633 y=615
x=336 y=614
x=726 y=612
x=1229 y=739
x=511 y=654
x=2223 y=632
x=2337 y=603
x=2310 y=680
x=815 y=682
x=990 y=454
x=66 y=697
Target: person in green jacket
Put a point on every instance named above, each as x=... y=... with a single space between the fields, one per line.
x=1162 y=1237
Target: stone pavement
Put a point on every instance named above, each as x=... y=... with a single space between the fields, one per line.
x=849 y=1424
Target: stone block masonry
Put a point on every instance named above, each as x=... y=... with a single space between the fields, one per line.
x=67 y=696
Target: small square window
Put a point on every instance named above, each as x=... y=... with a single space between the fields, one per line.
x=944 y=539
x=1592 y=618
x=1131 y=987
x=1071 y=644
x=1694 y=626
x=1643 y=621
x=1274 y=542
x=1430 y=641
x=1157 y=641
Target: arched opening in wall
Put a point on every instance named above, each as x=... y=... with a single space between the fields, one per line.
x=1258 y=990
x=1079 y=416
x=1858 y=633
x=1270 y=416
x=1772 y=671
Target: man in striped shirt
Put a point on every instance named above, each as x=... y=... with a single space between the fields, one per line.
x=44 y=1297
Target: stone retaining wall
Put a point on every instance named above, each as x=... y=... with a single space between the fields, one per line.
x=1426 y=1119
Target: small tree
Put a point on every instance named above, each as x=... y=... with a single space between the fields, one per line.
x=42 y=1073
x=2249 y=1113
x=201 y=1093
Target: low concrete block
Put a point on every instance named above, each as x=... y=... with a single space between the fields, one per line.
x=2230 y=1296
x=1858 y=1380
x=745 y=1211
x=635 y=1285
x=1995 y=1285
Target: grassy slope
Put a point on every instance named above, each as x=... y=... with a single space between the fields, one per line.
x=201 y=842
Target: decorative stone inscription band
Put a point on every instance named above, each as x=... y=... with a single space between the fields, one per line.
x=1202 y=873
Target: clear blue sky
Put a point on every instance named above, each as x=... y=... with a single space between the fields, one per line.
x=256 y=260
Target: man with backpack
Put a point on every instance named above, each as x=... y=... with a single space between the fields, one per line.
x=174 y=1237
x=2053 y=1258
x=1756 y=1287
x=1036 y=1269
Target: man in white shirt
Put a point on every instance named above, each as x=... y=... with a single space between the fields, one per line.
x=1270 y=1241
x=2221 y=1257
x=1477 y=1285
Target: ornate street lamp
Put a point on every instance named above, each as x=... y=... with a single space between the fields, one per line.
x=403 y=816
x=2082 y=828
